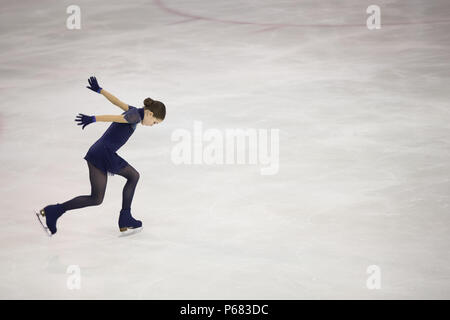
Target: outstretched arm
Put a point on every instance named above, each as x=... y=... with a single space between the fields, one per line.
x=131 y=116
x=83 y=120
x=111 y=118
x=94 y=86
x=114 y=100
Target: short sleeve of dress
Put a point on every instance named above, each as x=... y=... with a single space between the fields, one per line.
x=132 y=115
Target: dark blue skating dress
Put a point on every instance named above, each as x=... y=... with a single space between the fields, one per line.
x=102 y=154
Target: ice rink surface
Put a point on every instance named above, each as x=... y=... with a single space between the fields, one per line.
x=364 y=149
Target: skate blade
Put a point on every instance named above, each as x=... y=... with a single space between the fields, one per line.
x=39 y=216
x=125 y=232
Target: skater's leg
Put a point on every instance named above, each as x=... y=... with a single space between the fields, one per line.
x=98 y=186
x=132 y=177
x=126 y=221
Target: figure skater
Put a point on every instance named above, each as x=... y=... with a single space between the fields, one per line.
x=103 y=160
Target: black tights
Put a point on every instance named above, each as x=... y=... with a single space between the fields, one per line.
x=98 y=186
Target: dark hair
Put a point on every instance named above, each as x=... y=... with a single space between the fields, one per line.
x=157 y=107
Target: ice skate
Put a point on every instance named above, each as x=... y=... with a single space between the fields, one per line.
x=126 y=221
x=40 y=215
x=51 y=214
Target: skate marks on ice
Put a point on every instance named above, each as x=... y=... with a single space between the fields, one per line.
x=43 y=224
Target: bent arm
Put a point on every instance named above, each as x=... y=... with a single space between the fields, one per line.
x=114 y=100
x=111 y=118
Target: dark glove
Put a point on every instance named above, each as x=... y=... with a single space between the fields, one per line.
x=93 y=85
x=84 y=120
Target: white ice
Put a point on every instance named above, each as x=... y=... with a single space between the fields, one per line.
x=364 y=149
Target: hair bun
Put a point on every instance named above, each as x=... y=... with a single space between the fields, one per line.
x=148 y=102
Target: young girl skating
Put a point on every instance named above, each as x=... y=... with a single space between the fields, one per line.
x=102 y=159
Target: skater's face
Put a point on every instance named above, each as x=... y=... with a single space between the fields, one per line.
x=149 y=119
